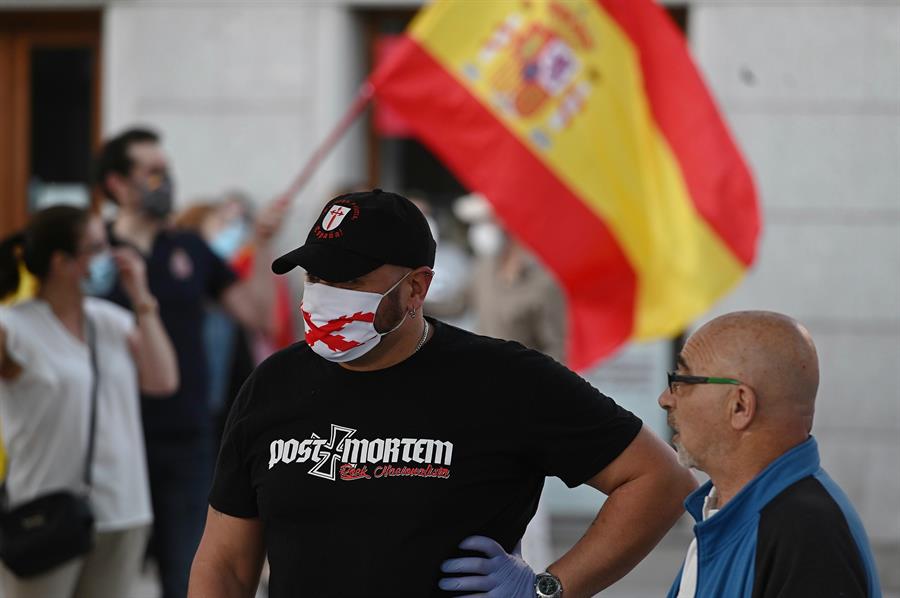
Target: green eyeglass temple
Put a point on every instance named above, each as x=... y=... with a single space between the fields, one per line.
x=674 y=378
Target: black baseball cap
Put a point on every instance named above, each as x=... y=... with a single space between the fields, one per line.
x=358 y=232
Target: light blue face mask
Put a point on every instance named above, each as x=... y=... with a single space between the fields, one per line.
x=229 y=240
x=102 y=273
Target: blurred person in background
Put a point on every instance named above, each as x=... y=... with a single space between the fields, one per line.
x=184 y=274
x=226 y=342
x=46 y=382
x=770 y=521
x=448 y=294
x=233 y=351
x=514 y=298
x=232 y=239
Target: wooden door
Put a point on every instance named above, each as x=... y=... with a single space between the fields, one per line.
x=33 y=49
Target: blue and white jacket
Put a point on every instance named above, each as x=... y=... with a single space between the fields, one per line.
x=790 y=533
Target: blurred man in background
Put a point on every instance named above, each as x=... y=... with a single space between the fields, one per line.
x=514 y=296
x=770 y=522
x=226 y=224
x=448 y=295
x=132 y=171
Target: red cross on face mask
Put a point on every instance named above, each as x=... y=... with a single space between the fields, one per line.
x=327 y=333
x=340 y=323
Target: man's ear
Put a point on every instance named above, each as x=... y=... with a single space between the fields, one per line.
x=743 y=407
x=420 y=279
x=118 y=186
x=58 y=261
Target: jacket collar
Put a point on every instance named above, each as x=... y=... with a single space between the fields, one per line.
x=794 y=465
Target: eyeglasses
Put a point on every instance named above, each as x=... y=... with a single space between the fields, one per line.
x=675 y=379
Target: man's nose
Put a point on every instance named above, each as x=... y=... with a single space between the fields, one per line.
x=665 y=399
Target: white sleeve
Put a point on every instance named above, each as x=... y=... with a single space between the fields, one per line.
x=15 y=345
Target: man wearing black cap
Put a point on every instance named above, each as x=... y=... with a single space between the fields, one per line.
x=359 y=461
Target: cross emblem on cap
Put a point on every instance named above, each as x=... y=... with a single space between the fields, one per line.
x=334 y=217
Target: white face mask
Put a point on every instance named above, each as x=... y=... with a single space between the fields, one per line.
x=486 y=239
x=101 y=276
x=340 y=323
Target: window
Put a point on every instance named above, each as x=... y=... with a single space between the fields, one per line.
x=49 y=105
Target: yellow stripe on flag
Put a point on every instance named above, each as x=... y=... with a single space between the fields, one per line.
x=585 y=114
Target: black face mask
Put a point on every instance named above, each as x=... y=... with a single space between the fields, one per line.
x=156 y=196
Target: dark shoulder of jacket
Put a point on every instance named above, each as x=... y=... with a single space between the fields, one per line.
x=805 y=505
x=803 y=534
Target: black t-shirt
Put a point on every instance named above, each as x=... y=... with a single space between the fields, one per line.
x=183 y=274
x=366 y=481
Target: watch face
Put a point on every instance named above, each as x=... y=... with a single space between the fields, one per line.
x=547 y=585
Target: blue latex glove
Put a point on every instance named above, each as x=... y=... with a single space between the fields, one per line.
x=500 y=575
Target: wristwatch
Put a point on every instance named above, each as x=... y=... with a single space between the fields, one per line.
x=547 y=585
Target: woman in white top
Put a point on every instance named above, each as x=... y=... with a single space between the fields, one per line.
x=45 y=394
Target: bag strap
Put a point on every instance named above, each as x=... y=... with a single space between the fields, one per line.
x=95 y=388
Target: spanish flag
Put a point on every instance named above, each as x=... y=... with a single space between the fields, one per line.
x=587 y=126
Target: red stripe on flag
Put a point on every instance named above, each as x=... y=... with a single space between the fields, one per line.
x=716 y=175
x=546 y=215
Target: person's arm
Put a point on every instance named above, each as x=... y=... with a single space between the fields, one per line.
x=569 y=430
x=645 y=486
x=229 y=560
x=150 y=345
x=251 y=301
x=9 y=369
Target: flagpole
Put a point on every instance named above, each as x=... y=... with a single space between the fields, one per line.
x=363 y=97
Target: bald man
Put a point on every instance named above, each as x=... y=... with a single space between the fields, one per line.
x=770 y=522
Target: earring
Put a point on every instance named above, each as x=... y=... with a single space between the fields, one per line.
x=412 y=313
